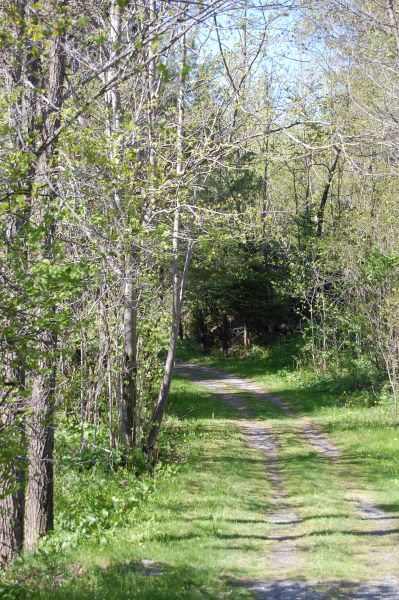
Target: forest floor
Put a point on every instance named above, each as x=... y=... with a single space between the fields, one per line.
x=272 y=487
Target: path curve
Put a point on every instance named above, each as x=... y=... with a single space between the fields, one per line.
x=261 y=436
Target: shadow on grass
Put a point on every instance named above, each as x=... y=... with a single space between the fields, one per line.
x=324 y=533
x=131 y=580
x=389 y=508
x=128 y=580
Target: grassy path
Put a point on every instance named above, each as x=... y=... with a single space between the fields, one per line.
x=269 y=495
x=338 y=541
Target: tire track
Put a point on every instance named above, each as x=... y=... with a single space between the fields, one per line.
x=284 y=553
x=260 y=437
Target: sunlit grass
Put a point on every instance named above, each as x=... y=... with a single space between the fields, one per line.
x=207 y=525
x=368 y=439
x=204 y=528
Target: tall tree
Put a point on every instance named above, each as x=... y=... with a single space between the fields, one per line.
x=39 y=517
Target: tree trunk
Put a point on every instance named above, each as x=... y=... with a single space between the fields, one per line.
x=265 y=200
x=308 y=198
x=127 y=428
x=179 y=279
x=245 y=335
x=11 y=513
x=225 y=335
x=324 y=198
x=27 y=67
x=179 y=283
x=12 y=497
x=39 y=516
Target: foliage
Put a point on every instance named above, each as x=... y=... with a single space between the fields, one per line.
x=133 y=134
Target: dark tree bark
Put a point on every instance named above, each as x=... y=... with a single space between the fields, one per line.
x=127 y=429
x=324 y=198
x=12 y=470
x=11 y=513
x=39 y=514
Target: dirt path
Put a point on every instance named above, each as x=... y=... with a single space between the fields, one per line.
x=285 y=554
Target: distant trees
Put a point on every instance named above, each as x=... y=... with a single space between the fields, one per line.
x=319 y=186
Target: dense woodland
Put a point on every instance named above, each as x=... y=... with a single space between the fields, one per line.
x=223 y=172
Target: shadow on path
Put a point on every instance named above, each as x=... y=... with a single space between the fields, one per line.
x=384 y=589
x=284 y=554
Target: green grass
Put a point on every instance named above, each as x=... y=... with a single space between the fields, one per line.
x=368 y=434
x=204 y=519
x=204 y=525
x=335 y=541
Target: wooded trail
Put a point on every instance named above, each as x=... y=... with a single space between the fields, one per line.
x=376 y=532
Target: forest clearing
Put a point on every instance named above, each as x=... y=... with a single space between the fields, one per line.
x=199 y=299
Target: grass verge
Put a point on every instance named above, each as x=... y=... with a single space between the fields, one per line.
x=201 y=529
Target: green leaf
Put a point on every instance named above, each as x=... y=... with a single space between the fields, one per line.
x=164 y=71
x=185 y=71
